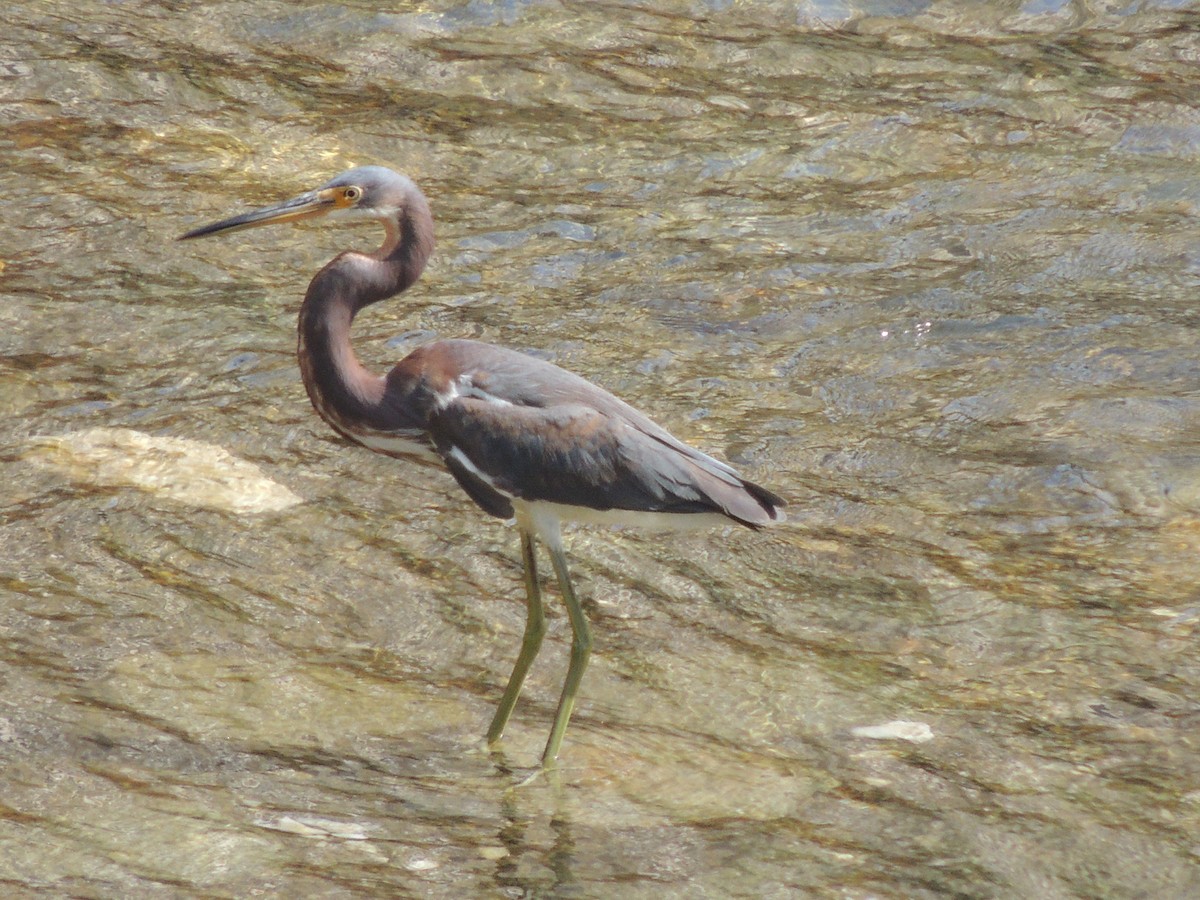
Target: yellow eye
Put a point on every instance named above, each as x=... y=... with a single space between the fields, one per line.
x=352 y=194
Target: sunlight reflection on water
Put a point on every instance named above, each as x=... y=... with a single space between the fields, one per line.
x=927 y=269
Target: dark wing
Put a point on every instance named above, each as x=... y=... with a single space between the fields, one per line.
x=511 y=426
x=575 y=454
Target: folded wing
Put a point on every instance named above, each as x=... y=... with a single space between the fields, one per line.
x=576 y=454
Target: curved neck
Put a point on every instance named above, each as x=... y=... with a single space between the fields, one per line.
x=347 y=395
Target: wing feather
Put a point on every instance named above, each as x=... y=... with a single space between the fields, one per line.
x=510 y=426
x=572 y=453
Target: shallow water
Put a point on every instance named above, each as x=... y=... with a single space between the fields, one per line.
x=929 y=270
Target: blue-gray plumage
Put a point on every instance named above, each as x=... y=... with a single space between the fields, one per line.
x=525 y=439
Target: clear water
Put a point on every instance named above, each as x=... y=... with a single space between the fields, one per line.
x=929 y=270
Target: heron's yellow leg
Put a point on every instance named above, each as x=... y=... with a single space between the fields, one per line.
x=581 y=647
x=531 y=641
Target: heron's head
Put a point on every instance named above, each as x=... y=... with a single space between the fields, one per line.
x=368 y=192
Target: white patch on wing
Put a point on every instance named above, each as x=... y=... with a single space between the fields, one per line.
x=474 y=390
x=465 y=386
x=445 y=399
x=463 y=460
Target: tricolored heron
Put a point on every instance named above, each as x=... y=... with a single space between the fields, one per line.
x=525 y=439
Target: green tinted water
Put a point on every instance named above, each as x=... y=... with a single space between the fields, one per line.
x=931 y=276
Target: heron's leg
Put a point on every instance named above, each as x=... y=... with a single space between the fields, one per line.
x=581 y=647
x=531 y=641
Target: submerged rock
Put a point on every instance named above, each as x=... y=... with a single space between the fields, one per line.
x=899 y=730
x=182 y=470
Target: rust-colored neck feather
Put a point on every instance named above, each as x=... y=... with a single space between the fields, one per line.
x=344 y=393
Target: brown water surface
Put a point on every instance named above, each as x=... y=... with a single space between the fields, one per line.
x=928 y=269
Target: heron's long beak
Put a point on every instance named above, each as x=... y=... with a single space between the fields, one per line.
x=306 y=206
